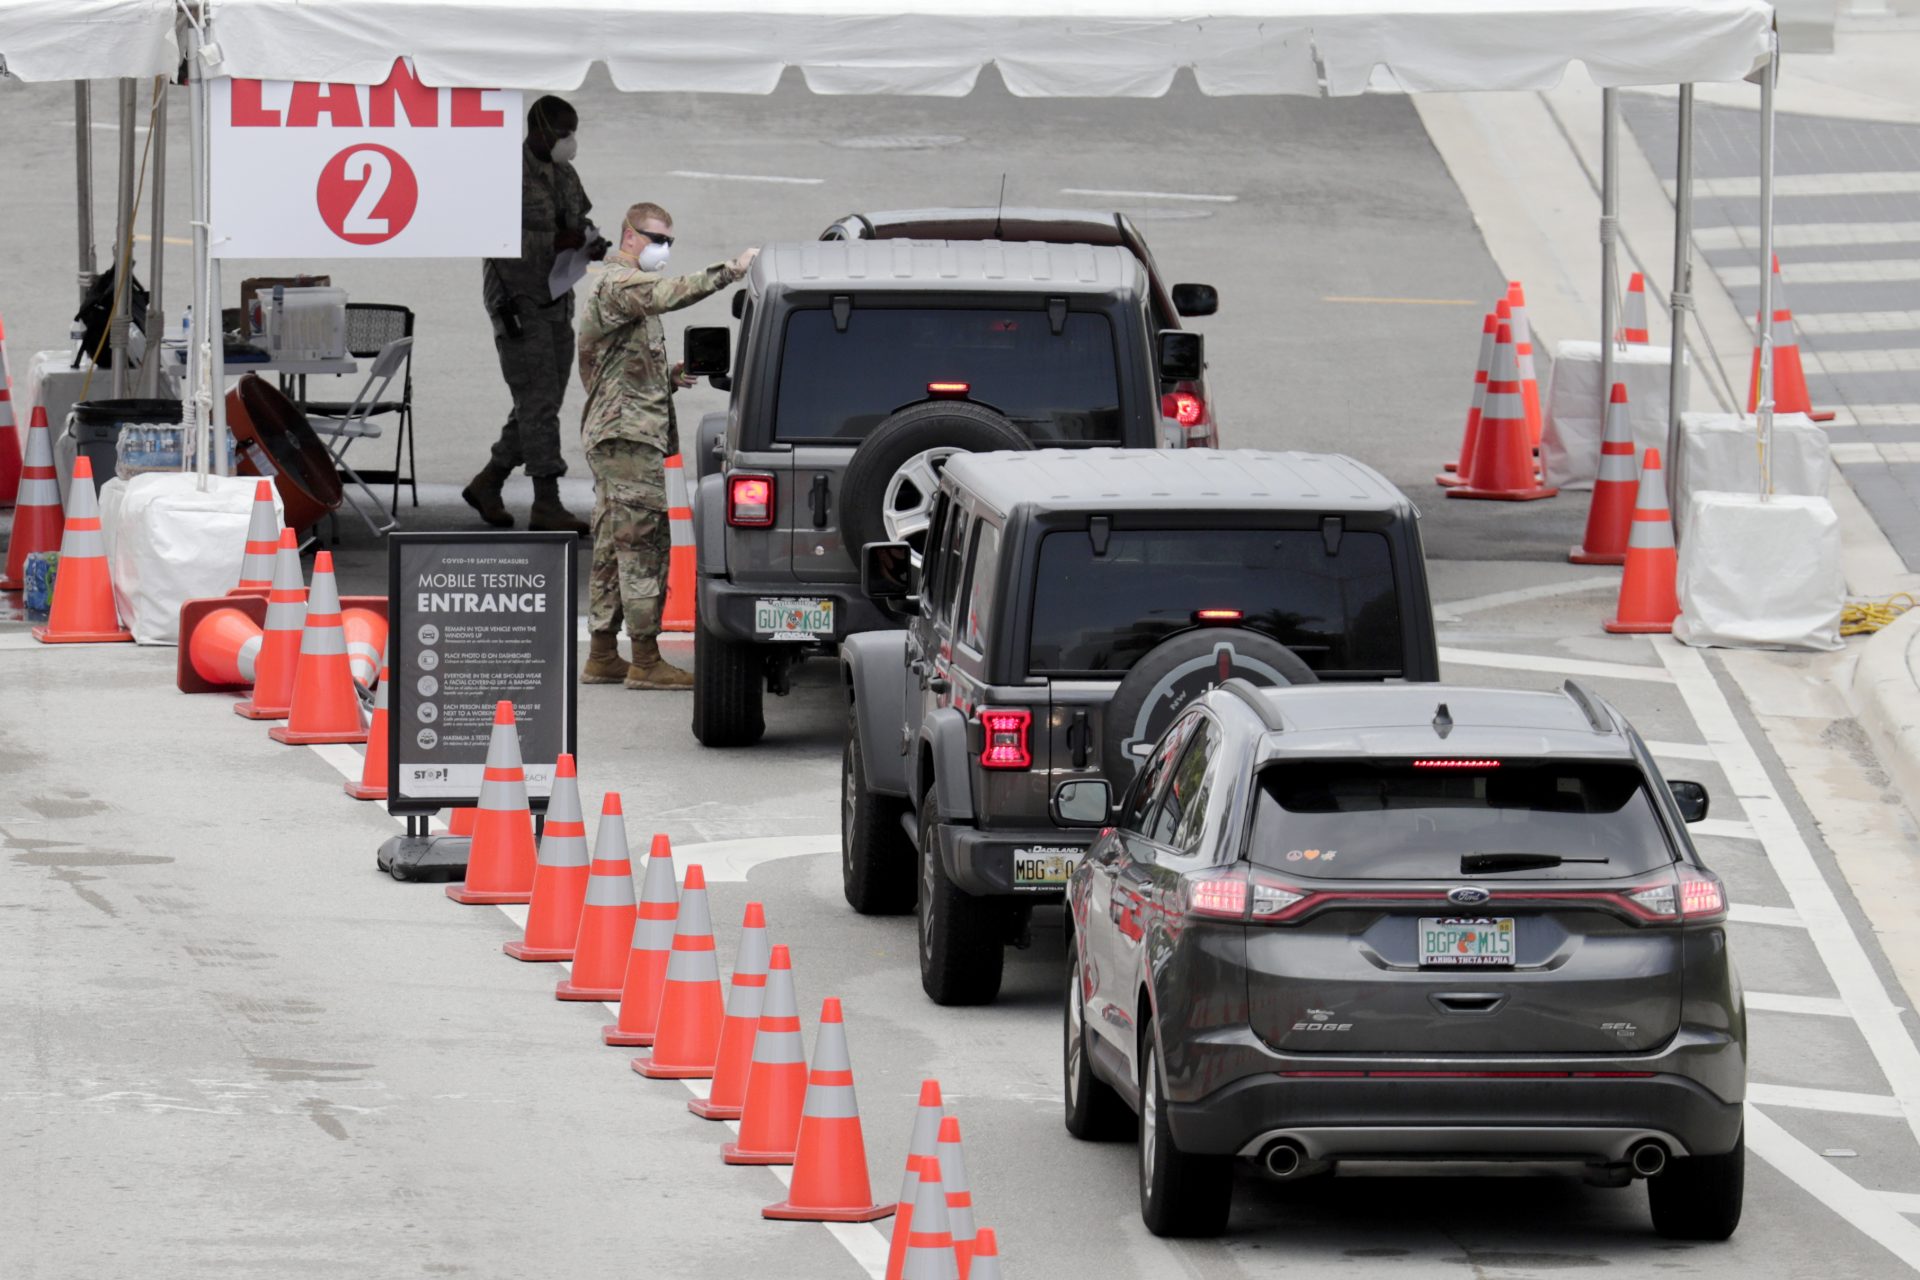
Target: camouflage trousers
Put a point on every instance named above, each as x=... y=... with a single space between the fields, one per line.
x=630 y=538
x=537 y=366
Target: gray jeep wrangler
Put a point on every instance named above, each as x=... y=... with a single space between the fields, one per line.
x=860 y=369
x=1070 y=603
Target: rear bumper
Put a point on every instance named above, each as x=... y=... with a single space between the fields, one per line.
x=983 y=863
x=726 y=608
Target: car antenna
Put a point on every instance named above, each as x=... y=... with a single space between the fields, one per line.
x=1000 y=208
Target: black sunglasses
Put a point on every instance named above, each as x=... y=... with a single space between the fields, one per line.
x=653 y=236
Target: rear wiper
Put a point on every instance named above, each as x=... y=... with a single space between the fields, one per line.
x=1475 y=863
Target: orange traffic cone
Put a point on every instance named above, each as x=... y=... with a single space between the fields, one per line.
x=829 y=1181
x=953 y=1176
x=606 y=914
x=9 y=430
x=460 y=822
x=1611 y=510
x=324 y=708
x=1789 y=375
x=285 y=632
x=220 y=643
x=923 y=1145
x=1502 y=465
x=1523 y=356
x=82 y=610
x=1633 y=320
x=1647 y=599
x=560 y=875
x=1456 y=472
x=500 y=862
x=686 y=1042
x=366 y=635
x=646 y=975
x=777 y=1083
x=986 y=1256
x=37 y=520
x=373 y=767
x=930 y=1253
x=263 y=537
x=729 y=1090
x=676 y=613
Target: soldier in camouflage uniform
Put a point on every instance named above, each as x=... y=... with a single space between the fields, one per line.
x=532 y=329
x=629 y=432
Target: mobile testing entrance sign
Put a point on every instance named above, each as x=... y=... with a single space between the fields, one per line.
x=476 y=619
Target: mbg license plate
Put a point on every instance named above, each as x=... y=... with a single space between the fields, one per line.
x=1458 y=942
x=1043 y=868
x=793 y=619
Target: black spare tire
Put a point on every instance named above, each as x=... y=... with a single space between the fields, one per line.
x=1175 y=672
x=955 y=426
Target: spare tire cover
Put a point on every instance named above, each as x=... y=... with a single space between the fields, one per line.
x=1179 y=670
x=953 y=425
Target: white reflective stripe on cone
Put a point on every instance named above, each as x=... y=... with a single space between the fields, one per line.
x=609 y=891
x=692 y=966
x=1650 y=535
x=81 y=543
x=830 y=1102
x=652 y=935
x=776 y=1048
x=249 y=654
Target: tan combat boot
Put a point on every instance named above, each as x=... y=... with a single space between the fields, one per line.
x=651 y=671
x=549 y=514
x=604 y=663
x=483 y=495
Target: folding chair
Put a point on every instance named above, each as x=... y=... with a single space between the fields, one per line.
x=371 y=326
x=357 y=424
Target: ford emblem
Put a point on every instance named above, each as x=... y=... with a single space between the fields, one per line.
x=1467 y=896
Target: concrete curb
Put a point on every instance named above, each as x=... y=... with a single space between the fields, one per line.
x=1884 y=693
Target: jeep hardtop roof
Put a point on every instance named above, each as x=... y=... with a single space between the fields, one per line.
x=1404 y=720
x=1018 y=222
x=1107 y=480
x=921 y=266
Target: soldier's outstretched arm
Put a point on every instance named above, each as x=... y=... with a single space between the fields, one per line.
x=651 y=295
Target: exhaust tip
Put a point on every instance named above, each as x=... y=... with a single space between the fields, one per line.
x=1648 y=1158
x=1283 y=1159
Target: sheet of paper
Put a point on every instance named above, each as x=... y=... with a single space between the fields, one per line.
x=570 y=266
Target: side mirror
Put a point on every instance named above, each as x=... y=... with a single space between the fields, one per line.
x=1083 y=802
x=740 y=303
x=709 y=351
x=1181 y=355
x=1692 y=799
x=1196 y=299
x=886 y=577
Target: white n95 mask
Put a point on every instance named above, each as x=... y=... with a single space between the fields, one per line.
x=653 y=256
x=566 y=149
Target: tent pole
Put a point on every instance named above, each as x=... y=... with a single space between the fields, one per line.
x=1681 y=298
x=83 y=178
x=1609 y=239
x=123 y=244
x=156 y=328
x=190 y=405
x=1765 y=406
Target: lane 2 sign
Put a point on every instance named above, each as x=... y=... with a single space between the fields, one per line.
x=302 y=169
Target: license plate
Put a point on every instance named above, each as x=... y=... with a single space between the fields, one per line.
x=1457 y=942
x=793 y=619
x=1044 y=868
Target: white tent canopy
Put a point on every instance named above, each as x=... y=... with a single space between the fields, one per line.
x=1042 y=48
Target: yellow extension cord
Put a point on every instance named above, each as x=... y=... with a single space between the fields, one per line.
x=1864 y=617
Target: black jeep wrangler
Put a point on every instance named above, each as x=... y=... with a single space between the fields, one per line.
x=1070 y=603
x=861 y=368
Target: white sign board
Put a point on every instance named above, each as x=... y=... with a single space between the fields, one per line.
x=395 y=170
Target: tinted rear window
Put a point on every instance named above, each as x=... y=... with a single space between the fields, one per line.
x=1371 y=820
x=1098 y=614
x=1060 y=388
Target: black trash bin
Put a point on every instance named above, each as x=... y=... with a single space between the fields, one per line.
x=97 y=424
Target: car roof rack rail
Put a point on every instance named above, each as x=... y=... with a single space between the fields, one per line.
x=1589 y=705
x=1247 y=692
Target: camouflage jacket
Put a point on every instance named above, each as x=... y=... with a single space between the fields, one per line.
x=623 y=351
x=551 y=200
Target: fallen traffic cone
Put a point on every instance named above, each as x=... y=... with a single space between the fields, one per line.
x=687 y=1041
x=373 y=766
x=9 y=430
x=606 y=915
x=728 y=1092
x=366 y=636
x=777 y=1083
x=285 y=631
x=829 y=1182
x=652 y=947
x=1789 y=375
x=930 y=1253
x=37 y=519
x=1647 y=599
x=922 y=1145
x=263 y=538
x=559 y=876
x=1456 y=473
x=1523 y=357
x=82 y=610
x=676 y=613
x=953 y=1176
x=1633 y=320
x=1611 y=510
x=220 y=642
x=1502 y=465
x=986 y=1256
x=500 y=861
x=324 y=707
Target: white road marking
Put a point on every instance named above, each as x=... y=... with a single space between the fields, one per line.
x=1148 y=195
x=1880 y=415
x=1778 y=1002
x=744 y=177
x=1682 y=751
x=1868 y=1211
x=1903 y=1201
x=1522 y=595
x=1892 y=360
x=1553 y=665
x=1889 y=269
x=1809 y=235
x=21 y=640
x=1724 y=828
x=1855 y=1104
x=1820 y=323
x=1779 y=917
x=729 y=861
x=1897 y=182
x=1856 y=451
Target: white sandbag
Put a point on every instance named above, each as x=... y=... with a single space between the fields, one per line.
x=1720 y=453
x=1760 y=574
x=169 y=541
x=1570 y=436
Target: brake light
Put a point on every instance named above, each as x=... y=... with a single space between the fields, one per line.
x=948 y=388
x=1701 y=897
x=1456 y=764
x=1218 y=615
x=1220 y=897
x=1184 y=407
x=750 y=501
x=1005 y=732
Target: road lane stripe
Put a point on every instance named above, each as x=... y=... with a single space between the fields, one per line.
x=1778 y=917
x=744 y=177
x=1878 y=415
x=1824 y=323
x=1724 y=828
x=1524 y=595
x=1682 y=751
x=1553 y=665
x=1885 y=269
x=1897 y=182
x=1867 y=1211
x=1149 y=195
x=1405 y=302
x=1889 y=360
x=1903 y=1201
x=1819 y=1006
x=1808 y=235
x=1839 y=1100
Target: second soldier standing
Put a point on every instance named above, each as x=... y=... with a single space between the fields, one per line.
x=628 y=431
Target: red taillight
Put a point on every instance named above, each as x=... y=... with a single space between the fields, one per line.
x=1233 y=895
x=1456 y=764
x=1701 y=897
x=1005 y=738
x=750 y=501
x=1218 y=615
x=948 y=388
x=1218 y=896
x=1184 y=407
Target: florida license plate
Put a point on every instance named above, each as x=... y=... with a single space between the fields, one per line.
x=783 y=619
x=1044 y=868
x=1461 y=942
